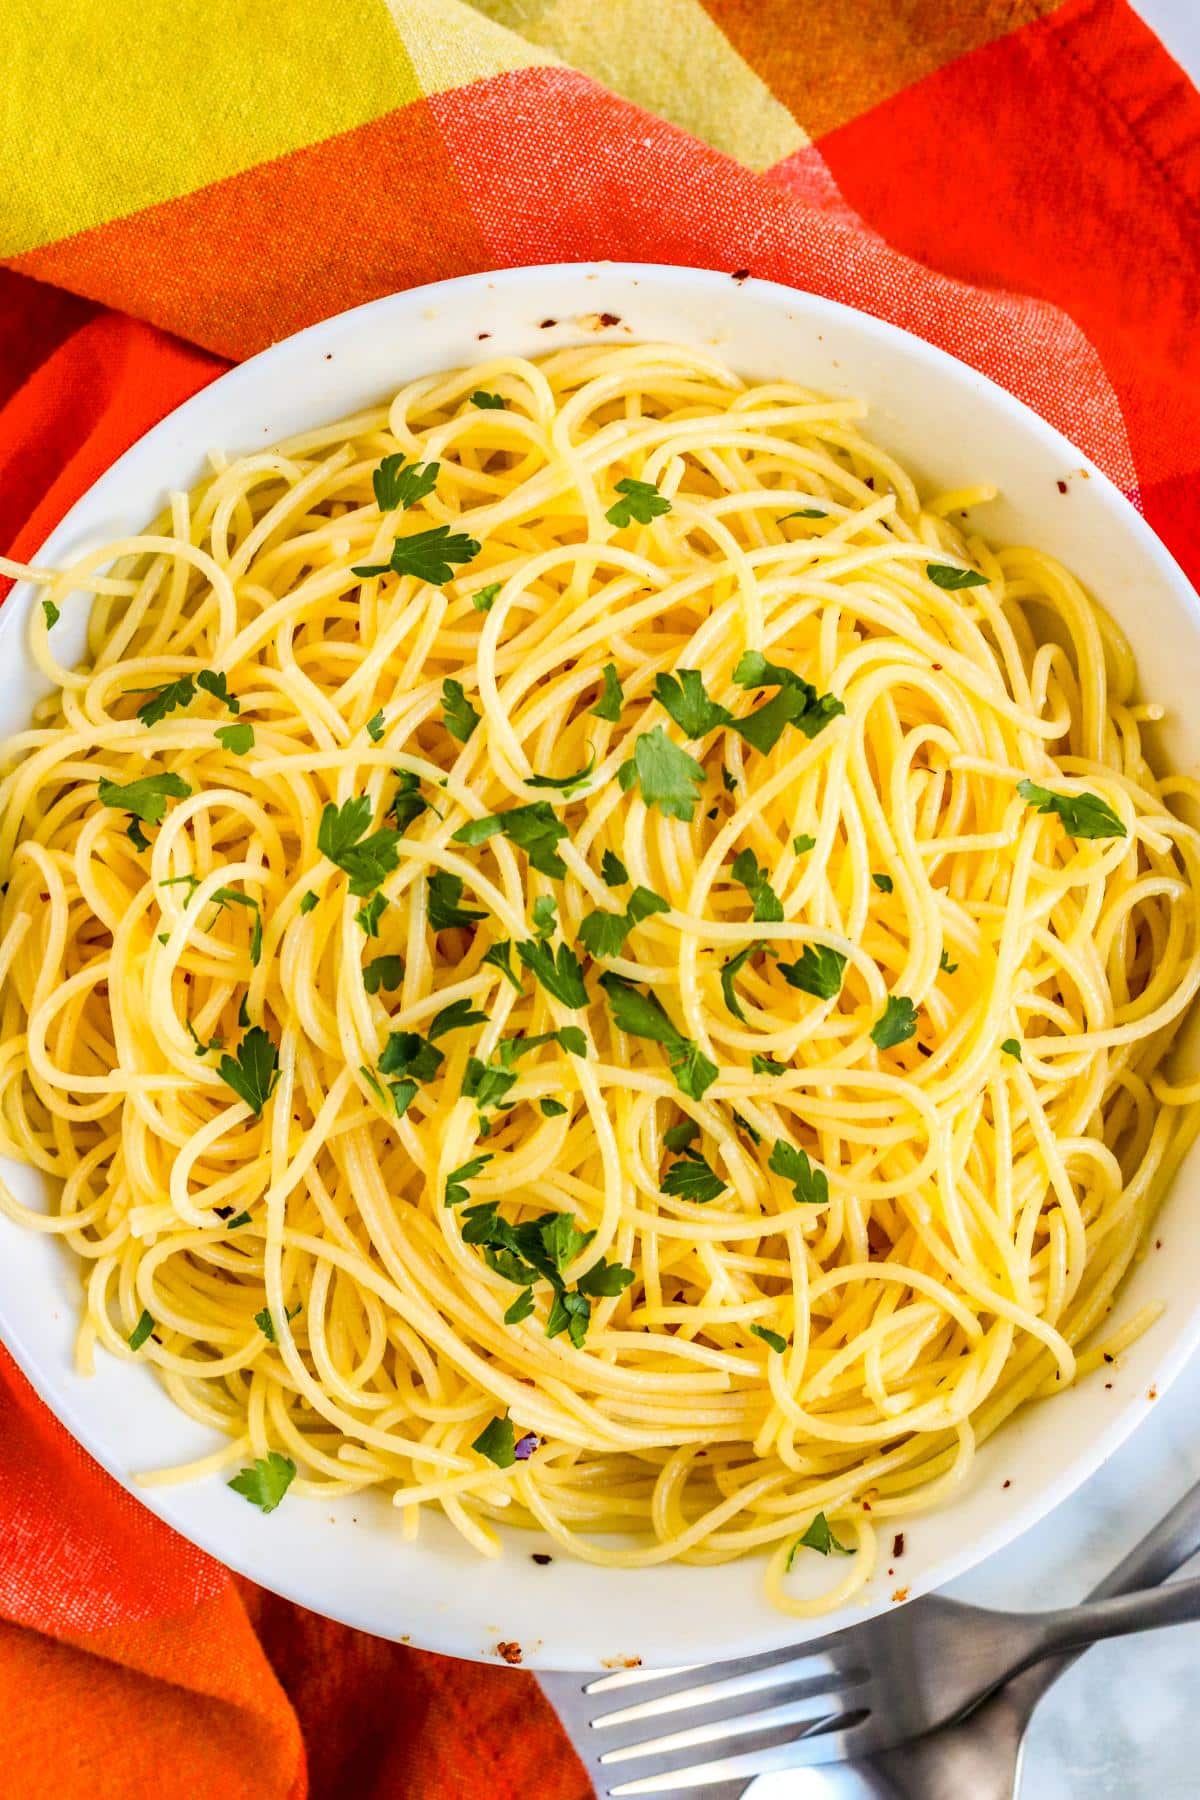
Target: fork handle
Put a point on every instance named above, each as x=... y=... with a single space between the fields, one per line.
x=1075 y=1627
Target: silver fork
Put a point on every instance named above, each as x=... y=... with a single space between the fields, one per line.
x=862 y=1690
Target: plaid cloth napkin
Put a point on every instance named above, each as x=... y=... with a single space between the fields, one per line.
x=1016 y=180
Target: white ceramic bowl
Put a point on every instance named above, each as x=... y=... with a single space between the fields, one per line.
x=952 y=427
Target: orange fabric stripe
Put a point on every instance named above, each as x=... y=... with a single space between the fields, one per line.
x=236 y=265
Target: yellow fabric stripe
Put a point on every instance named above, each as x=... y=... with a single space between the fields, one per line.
x=669 y=57
x=154 y=109
x=450 y=44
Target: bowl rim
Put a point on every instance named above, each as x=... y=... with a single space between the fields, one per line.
x=441 y=1629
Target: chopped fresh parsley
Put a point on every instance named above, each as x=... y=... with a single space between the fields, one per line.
x=368 y=916
x=605 y=1280
x=145 y=799
x=819 y=1537
x=1083 y=815
x=202 y=1049
x=534 y=828
x=407 y=803
x=768 y=908
x=458 y=715
x=487 y=402
x=643 y=1015
x=165 y=700
x=569 y=784
x=766 y=1065
x=560 y=974
x=456 y=1189
x=252 y=1074
x=898 y=1023
x=521 y=1307
x=266 y=1482
x=240 y=1219
x=401 y=484
x=488 y=1085
x=455 y=1017
x=796 y=703
x=604 y=933
x=949 y=967
x=227 y=896
x=817 y=970
x=500 y=956
x=612 y=698
x=141 y=1331
x=771 y=1339
x=730 y=969
x=429 y=555
x=1012 y=1048
x=684 y=697
x=810 y=1185
x=803 y=843
x=884 y=883
x=50 y=613
x=641 y=501
x=728 y=781
x=266 y=1324
x=691 y=1178
x=552 y=1109
x=670 y=778
x=802 y=512
x=484 y=598
x=368 y=860
x=217 y=684
x=375 y=727
x=383 y=972
x=410 y=1056
x=613 y=870
x=237 y=739
x=545 y=916
x=497 y=1441
x=445 y=892
x=951 y=577
x=678 y=1137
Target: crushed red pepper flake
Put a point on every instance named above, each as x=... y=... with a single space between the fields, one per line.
x=1006 y=1484
x=1062 y=487
x=509 y=1651
x=898 y=1544
x=900 y=1595
x=610 y=319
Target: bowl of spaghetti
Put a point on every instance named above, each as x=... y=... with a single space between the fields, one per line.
x=597 y=914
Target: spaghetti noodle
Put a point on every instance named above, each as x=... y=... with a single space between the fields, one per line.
x=575 y=952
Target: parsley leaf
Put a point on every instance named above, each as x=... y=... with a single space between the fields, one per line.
x=429 y=555
x=810 y=1185
x=484 y=598
x=604 y=933
x=570 y=1313
x=145 y=799
x=669 y=777
x=612 y=697
x=545 y=916
x=691 y=1178
x=367 y=860
x=642 y=501
x=803 y=843
x=375 y=727
x=459 y=716
x=732 y=967
x=401 y=484
x=796 y=703
x=202 y=1049
x=237 y=739
x=456 y=1190
x=534 y=828
x=563 y=1241
x=552 y=1109
x=678 y=1137
x=802 y=512
x=487 y=1085
x=561 y=974
x=1012 y=1048
x=683 y=695
x=820 y=1537
x=569 y=784
x=884 y=883
x=487 y=402
x=445 y=892
x=771 y=1339
x=605 y=1280
x=768 y=908
x=898 y=1023
x=51 y=613
x=613 y=870
x=253 y=1073
x=947 y=965
x=1083 y=815
x=817 y=970
x=164 y=700
x=643 y=1015
x=455 y=1017
x=266 y=1324
x=218 y=686
x=407 y=803
x=521 y=1307
x=368 y=916
x=950 y=577
x=411 y=1056
x=141 y=1331
x=266 y=1482
x=500 y=956
x=383 y=972
x=766 y=1065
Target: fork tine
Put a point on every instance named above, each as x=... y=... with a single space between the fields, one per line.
x=776 y=1751
x=800 y=1706
x=802 y=1675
